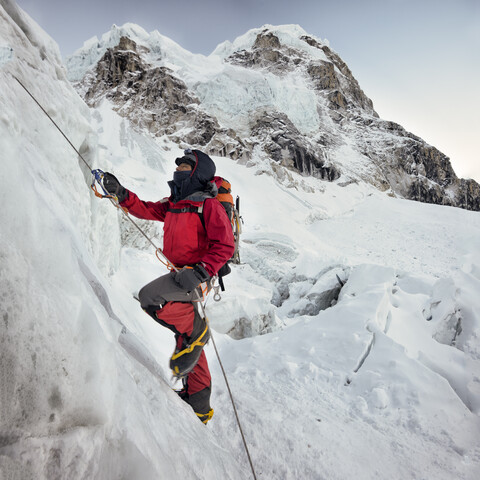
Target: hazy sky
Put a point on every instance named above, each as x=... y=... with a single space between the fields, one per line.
x=418 y=60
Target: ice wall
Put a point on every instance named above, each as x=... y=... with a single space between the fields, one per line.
x=73 y=403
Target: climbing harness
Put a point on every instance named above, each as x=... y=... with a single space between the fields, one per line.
x=98 y=179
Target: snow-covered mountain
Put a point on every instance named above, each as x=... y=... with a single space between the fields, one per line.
x=378 y=379
x=277 y=92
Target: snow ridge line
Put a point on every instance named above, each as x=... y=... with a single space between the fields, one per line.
x=431 y=365
x=129 y=342
x=366 y=353
x=99 y=291
x=370 y=327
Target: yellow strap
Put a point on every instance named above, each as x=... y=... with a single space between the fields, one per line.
x=190 y=348
x=208 y=415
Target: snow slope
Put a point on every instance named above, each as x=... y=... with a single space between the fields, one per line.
x=383 y=384
x=373 y=387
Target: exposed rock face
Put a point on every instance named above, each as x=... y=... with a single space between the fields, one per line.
x=284 y=143
x=267 y=52
x=155 y=98
x=332 y=77
x=412 y=168
x=349 y=90
x=468 y=195
x=344 y=88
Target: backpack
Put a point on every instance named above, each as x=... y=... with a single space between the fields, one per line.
x=225 y=197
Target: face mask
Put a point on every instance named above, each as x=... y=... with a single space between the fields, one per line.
x=180 y=177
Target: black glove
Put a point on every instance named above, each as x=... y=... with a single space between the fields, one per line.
x=190 y=278
x=113 y=187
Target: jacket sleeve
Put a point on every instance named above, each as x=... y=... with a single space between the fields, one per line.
x=220 y=236
x=145 y=210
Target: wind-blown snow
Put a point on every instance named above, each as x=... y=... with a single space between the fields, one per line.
x=382 y=384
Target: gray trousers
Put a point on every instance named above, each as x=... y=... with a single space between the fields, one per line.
x=164 y=289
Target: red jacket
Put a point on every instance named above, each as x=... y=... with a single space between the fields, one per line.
x=186 y=241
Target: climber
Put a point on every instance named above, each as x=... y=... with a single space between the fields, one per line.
x=198 y=240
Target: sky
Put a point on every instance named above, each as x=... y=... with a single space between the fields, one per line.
x=418 y=60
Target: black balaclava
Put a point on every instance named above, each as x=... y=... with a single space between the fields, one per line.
x=186 y=183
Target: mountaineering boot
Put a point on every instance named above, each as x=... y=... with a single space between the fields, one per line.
x=187 y=352
x=200 y=402
x=205 y=417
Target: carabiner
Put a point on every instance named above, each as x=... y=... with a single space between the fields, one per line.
x=216 y=296
x=98 y=177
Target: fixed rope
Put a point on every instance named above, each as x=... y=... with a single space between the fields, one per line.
x=158 y=251
x=229 y=392
x=160 y=255
x=234 y=409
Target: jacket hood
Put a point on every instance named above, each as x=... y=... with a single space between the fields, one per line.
x=204 y=169
x=200 y=178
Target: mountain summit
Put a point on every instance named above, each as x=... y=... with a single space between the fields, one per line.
x=275 y=90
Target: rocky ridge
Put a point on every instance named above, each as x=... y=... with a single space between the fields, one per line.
x=153 y=99
x=162 y=99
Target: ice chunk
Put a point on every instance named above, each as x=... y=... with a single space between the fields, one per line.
x=6 y=54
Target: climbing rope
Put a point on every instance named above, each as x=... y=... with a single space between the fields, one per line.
x=235 y=410
x=97 y=178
